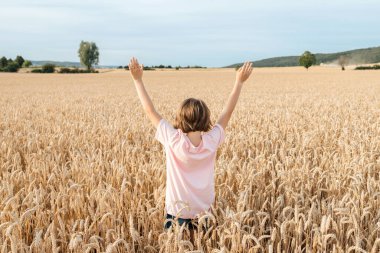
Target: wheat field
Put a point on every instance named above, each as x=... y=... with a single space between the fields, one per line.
x=299 y=171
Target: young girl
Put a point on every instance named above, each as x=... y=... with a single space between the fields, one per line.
x=190 y=147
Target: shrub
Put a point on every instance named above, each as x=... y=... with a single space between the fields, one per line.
x=48 y=68
x=65 y=70
x=11 y=67
x=36 y=71
x=376 y=67
x=76 y=71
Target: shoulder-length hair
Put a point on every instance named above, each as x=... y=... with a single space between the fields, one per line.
x=193 y=115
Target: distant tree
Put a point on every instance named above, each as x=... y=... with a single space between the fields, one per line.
x=27 y=64
x=126 y=67
x=20 y=60
x=48 y=68
x=343 y=61
x=120 y=67
x=307 y=59
x=161 y=66
x=3 y=62
x=169 y=66
x=88 y=53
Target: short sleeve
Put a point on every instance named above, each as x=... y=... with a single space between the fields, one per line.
x=164 y=131
x=217 y=134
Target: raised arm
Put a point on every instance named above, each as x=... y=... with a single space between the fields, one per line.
x=137 y=71
x=242 y=75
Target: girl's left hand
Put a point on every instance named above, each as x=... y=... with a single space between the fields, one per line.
x=136 y=69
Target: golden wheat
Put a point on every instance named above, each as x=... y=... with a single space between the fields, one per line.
x=299 y=170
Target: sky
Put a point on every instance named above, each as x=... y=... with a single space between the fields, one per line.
x=210 y=33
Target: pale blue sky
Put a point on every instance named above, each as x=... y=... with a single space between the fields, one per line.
x=209 y=33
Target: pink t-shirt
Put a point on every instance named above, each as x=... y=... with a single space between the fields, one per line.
x=190 y=169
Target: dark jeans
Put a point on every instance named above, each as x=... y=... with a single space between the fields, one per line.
x=191 y=224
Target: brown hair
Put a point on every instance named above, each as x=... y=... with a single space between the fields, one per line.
x=193 y=115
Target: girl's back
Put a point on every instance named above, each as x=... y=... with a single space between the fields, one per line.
x=190 y=169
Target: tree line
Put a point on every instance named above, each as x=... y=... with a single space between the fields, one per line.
x=153 y=67
x=10 y=65
x=88 y=54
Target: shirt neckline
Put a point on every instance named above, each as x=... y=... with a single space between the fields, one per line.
x=187 y=139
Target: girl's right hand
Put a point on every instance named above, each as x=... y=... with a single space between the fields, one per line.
x=136 y=69
x=244 y=72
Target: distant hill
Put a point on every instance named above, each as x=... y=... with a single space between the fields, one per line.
x=357 y=56
x=66 y=64
x=57 y=63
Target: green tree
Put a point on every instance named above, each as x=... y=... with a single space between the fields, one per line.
x=307 y=59
x=19 y=60
x=88 y=53
x=3 y=62
x=27 y=64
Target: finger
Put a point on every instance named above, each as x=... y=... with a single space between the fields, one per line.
x=247 y=64
x=250 y=70
x=245 y=67
x=250 y=66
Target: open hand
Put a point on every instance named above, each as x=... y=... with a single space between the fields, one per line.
x=244 y=72
x=136 y=69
